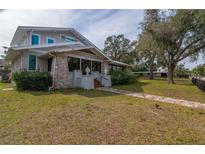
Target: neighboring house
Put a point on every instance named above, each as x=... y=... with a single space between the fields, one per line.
x=4 y=71
x=71 y=58
x=161 y=72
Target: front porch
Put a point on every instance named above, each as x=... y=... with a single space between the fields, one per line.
x=78 y=70
x=85 y=68
x=89 y=81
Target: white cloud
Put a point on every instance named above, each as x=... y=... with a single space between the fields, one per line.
x=122 y=22
x=11 y=19
x=94 y=24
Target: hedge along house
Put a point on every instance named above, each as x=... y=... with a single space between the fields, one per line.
x=72 y=59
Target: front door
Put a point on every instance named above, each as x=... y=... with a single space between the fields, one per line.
x=50 y=64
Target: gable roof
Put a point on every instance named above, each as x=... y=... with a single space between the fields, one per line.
x=21 y=29
x=88 y=43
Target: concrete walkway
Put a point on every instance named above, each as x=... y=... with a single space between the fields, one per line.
x=8 y=89
x=157 y=98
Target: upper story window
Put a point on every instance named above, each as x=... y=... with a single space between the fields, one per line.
x=50 y=40
x=35 y=39
x=68 y=38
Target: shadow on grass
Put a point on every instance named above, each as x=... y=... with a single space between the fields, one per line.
x=86 y=93
x=179 y=81
x=72 y=91
x=136 y=87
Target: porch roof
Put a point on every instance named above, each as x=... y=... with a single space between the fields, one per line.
x=120 y=63
x=63 y=48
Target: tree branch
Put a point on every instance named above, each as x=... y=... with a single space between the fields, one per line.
x=190 y=53
x=187 y=47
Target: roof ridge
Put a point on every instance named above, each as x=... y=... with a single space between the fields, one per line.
x=44 y=27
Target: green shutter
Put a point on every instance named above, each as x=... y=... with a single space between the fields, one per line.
x=32 y=62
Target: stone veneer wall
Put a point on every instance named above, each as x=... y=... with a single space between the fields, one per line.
x=61 y=72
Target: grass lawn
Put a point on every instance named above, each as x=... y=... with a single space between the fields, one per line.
x=4 y=85
x=77 y=116
x=183 y=89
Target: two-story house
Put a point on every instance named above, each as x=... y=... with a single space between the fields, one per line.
x=72 y=59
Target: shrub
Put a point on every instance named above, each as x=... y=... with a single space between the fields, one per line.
x=122 y=77
x=199 y=83
x=194 y=80
x=199 y=70
x=32 y=80
x=5 y=76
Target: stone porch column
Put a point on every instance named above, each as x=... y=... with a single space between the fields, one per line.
x=61 y=71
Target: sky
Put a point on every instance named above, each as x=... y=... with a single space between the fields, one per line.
x=95 y=25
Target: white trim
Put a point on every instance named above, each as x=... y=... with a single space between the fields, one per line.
x=68 y=36
x=31 y=39
x=43 y=28
x=28 y=61
x=91 y=65
x=46 y=45
x=51 y=38
x=22 y=62
x=86 y=58
x=53 y=72
x=36 y=51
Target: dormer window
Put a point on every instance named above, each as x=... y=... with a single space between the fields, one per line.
x=50 y=40
x=35 y=39
x=68 y=38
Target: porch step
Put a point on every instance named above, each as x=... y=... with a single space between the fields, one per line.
x=97 y=83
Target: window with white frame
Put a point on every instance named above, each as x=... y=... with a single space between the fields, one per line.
x=68 y=38
x=50 y=40
x=32 y=62
x=35 y=39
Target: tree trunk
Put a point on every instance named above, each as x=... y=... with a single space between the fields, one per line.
x=151 y=67
x=170 y=76
x=151 y=75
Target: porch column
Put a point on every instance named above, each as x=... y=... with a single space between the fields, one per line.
x=80 y=63
x=91 y=66
x=61 y=72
